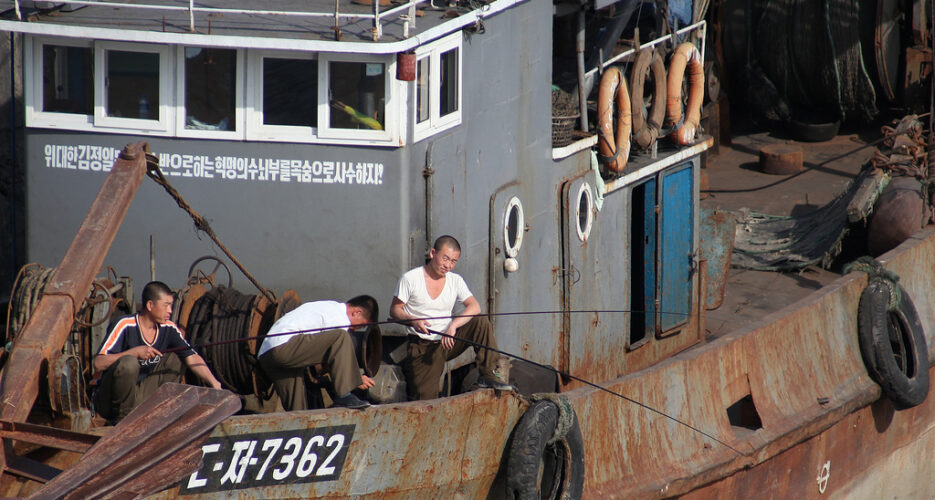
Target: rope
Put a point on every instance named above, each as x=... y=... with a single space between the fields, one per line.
x=27 y=291
x=876 y=273
x=154 y=173
x=566 y=415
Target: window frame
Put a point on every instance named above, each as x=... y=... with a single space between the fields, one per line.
x=248 y=126
x=256 y=130
x=437 y=123
x=390 y=120
x=34 y=89
x=181 y=112
x=165 y=120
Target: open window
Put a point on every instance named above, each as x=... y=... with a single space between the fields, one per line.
x=355 y=97
x=210 y=90
x=60 y=83
x=437 y=100
x=131 y=86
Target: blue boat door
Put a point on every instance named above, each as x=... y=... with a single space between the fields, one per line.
x=662 y=219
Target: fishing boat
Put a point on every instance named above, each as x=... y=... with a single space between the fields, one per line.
x=327 y=144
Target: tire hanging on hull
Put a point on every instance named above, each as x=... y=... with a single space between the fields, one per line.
x=546 y=456
x=891 y=337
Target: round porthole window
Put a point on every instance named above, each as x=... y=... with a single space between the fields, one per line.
x=584 y=212
x=513 y=225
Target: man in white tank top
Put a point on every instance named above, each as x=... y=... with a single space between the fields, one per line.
x=425 y=298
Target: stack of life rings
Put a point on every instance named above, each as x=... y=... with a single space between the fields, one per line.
x=620 y=119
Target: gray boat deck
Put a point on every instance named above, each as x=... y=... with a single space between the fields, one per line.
x=735 y=182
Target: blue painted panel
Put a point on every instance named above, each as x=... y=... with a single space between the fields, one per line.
x=676 y=247
x=649 y=255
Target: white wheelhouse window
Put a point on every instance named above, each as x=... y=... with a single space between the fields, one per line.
x=210 y=93
x=356 y=97
x=131 y=88
x=285 y=96
x=437 y=92
x=214 y=93
x=60 y=83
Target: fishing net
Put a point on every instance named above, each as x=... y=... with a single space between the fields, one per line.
x=810 y=52
x=785 y=243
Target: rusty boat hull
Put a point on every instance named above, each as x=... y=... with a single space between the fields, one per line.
x=825 y=430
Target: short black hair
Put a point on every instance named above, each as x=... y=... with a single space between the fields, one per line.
x=368 y=304
x=446 y=241
x=154 y=290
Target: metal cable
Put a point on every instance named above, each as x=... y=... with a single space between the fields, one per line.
x=219 y=323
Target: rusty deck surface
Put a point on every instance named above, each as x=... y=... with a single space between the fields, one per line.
x=735 y=182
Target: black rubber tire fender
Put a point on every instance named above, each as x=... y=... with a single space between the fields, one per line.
x=892 y=345
x=538 y=470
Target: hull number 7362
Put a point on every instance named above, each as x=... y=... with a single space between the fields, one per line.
x=270 y=459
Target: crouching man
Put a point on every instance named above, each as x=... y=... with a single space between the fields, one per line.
x=132 y=362
x=315 y=333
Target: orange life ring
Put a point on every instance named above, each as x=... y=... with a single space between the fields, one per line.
x=613 y=146
x=686 y=55
x=646 y=125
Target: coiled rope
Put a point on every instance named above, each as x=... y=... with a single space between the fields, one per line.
x=219 y=322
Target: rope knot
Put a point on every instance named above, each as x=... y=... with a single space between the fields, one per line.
x=876 y=273
x=566 y=414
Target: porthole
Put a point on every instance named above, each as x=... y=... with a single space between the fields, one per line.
x=583 y=211
x=513 y=227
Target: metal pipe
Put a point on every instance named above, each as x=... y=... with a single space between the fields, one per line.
x=152 y=258
x=427 y=174
x=13 y=158
x=579 y=50
x=377 y=27
x=628 y=53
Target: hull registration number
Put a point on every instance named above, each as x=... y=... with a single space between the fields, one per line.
x=270 y=459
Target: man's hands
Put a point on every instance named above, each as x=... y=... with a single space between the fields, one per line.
x=144 y=352
x=421 y=325
x=449 y=342
x=367 y=382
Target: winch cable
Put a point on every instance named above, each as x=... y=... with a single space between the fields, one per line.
x=154 y=173
x=504 y=353
x=220 y=321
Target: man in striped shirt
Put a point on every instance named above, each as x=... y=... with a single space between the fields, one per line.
x=132 y=362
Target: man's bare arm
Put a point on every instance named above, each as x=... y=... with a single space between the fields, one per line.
x=398 y=311
x=197 y=364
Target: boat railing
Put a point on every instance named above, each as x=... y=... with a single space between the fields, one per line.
x=696 y=31
x=405 y=12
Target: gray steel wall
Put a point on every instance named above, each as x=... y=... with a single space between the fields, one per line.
x=336 y=240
